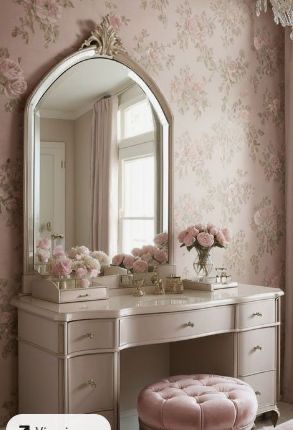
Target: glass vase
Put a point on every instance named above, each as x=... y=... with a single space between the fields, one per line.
x=203 y=264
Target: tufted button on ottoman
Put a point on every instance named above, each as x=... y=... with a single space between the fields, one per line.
x=197 y=402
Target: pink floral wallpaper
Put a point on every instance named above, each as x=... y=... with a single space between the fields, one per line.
x=221 y=70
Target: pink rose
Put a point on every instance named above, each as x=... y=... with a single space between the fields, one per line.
x=192 y=231
x=136 y=252
x=117 y=259
x=10 y=69
x=140 y=266
x=160 y=256
x=44 y=243
x=213 y=231
x=200 y=227
x=81 y=272
x=58 y=251
x=205 y=239
x=128 y=261
x=182 y=235
x=161 y=239
x=148 y=249
x=146 y=257
x=221 y=238
x=188 y=240
x=48 y=10
x=15 y=88
x=61 y=267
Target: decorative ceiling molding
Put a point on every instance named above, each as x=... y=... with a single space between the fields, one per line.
x=105 y=38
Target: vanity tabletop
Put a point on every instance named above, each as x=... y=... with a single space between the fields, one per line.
x=126 y=304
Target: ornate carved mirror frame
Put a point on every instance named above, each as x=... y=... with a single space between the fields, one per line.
x=102 y=43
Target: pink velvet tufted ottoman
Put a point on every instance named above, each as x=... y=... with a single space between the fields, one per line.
x=197 y=402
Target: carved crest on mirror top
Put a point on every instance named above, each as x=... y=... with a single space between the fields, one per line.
x=105 y=38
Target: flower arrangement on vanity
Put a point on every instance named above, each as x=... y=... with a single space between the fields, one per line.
x=203 y=238
x=80 y=268
x=146 y=258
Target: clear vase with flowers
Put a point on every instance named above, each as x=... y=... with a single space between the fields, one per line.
x=203 y=238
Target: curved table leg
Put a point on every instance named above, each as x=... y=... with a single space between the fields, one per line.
x=275 y=415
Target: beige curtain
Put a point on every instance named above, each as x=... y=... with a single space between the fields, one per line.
x=288 y=365
x=105 y=175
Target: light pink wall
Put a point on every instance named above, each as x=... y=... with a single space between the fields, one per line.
x=221 y=70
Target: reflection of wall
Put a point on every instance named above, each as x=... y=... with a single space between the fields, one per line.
x=82 y=202
x=58 y=130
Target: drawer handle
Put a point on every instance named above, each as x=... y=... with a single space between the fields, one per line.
x=257 y=348
x=82 y=295
x=92 y=383
x=257 y=314
x=90 y=335
x=258 y=393
x=189 y=324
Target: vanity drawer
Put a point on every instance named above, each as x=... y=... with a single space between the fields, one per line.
x=90 y=383
x=257 y=351
x=165 y=327
x=91 y=334
x=256 y=313
x=265 y=386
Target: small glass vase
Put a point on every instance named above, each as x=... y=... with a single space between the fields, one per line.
x=203 y=264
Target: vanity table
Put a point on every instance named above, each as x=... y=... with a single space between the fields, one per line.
x=69 y=354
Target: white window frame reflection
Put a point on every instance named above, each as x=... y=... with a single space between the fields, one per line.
x=135 y=147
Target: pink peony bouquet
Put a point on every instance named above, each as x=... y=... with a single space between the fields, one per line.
x=141 y=259
x=80 y=261
x=201 y=236
x=130 y=262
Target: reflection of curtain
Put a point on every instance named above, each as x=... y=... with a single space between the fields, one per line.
x=105 y=175
x=288 y=368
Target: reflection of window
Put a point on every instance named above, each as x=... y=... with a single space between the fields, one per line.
x=137 y=174
x=136 y=119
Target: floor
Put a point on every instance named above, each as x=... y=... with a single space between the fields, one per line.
x=285 y=422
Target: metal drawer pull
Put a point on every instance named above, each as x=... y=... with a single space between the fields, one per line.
x=82 y=295
x=92 y=383
x=189 y=324
x=257 y=314
x=257 y=347
x=258 y=393
x=90 y=335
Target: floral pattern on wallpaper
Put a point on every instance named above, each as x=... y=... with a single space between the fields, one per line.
x=160 y=6
x=151 y=54
x=12 y=81
x=189 y=93
x=11 y=192
x=40 y=16
x=117 y=21
x=221 y=70
x=268 y=224
x=8 y=323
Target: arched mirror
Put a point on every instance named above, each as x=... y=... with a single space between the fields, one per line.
x=98 y=139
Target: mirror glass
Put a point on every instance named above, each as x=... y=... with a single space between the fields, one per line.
x=101 y=160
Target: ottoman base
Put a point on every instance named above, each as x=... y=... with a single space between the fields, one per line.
x=143 y=426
